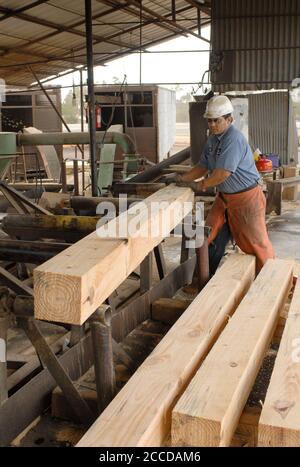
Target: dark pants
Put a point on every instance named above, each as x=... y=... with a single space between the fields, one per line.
x=217 y=248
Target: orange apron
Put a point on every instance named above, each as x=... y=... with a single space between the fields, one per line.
x=246 y=217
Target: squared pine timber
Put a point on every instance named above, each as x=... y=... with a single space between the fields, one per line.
x=71 y=286
x=279 y=424
x=140 y=414
x=208 y=412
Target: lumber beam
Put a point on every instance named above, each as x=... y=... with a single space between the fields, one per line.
x=290 y=193
x=140 y=415
x=168 y=310
x=279 y=424
x=208 y=412
x=71 y=286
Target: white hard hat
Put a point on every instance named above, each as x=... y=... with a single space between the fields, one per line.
x=218 y=106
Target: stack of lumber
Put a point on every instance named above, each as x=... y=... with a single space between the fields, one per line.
x=71 y=286
x=140 y=415
x=196 y=382
x=209 y=411
x=279 y=424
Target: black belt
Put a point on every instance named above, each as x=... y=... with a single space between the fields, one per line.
x=242 y=191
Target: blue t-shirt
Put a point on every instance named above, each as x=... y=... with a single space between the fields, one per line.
x=230 y=151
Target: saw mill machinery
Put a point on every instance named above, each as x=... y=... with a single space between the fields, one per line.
x=32 y=234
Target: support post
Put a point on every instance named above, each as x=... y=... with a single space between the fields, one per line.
x=203 y=264
x=63 y=175
x=184 y=254
x=77 y=333
x=100 y=323
x=160 y=261
x=50 y=361
x=91 y=95
x=146 y=273
x=4 y=320
x=76 y=178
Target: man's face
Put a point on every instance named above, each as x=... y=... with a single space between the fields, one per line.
x=218 y=125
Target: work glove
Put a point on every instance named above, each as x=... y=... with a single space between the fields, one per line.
x=193 y=185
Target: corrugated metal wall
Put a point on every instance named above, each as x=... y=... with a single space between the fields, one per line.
x=255 y=44
x=272 y=125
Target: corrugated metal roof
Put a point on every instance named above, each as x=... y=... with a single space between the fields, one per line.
x=50 y=35
x=255 y=44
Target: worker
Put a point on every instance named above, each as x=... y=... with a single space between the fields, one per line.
x=239 y=207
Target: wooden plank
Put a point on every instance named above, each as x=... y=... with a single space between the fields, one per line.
x=209 y=410
x=140 y=415
x=290 y=181
x=246 y=433
x=69 y=287
x=279 y=423
x=168 y=310
x=274 y=197
x=290 y=193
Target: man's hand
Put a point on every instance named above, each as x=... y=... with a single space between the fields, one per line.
x=193 y=185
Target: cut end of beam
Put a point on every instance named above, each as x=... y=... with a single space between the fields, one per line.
x=71 y=286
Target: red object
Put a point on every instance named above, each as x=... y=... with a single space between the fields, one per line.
x=246 y=216
x=98 y=117
x=264 y=165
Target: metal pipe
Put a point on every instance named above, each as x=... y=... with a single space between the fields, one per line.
x=29 y=252
x=76 y=177
x=91 y=95
x=4 y=320
x=63 y=176
x=82 y=123
x=84 y=203
x=156 y=170
x=44 y=139
x=203 y=264
x=31 y=227
x=49 y=360
x=100 y=324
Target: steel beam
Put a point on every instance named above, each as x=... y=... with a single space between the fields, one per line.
x=32 y=399
x=49 y=360
x=100 y=324
x=21 y=251
x=160 y=261
x=14 y=284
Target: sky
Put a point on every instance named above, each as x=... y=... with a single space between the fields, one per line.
x=184 y=67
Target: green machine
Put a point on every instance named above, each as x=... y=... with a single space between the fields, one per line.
x=8 y=151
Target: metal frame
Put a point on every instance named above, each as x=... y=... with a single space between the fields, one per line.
x=163 y=21
x=21 y=203
x=32 y=398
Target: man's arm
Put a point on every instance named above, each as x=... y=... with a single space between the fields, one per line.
x=194 y=174
x=218 y=176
